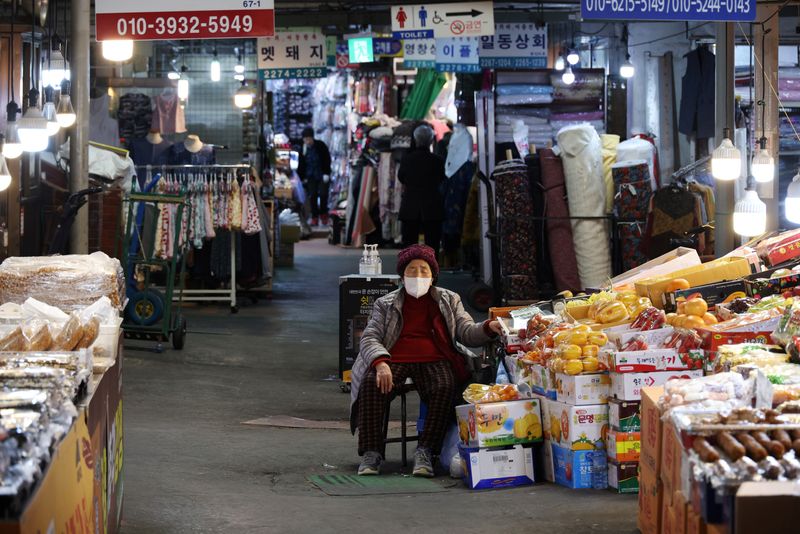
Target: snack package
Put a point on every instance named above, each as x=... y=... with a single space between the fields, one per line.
x=70 y=335
x=14 y=341
x=683 y=340
x=789 y=325
x=714 y=393
x=481 y=393
x=38 y=337
x=91 y=329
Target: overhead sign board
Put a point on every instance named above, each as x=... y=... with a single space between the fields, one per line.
x=515 y=46
x=458 y=54
x=152 y=20
x=683 y=10
x=293 y=54
x=360 y=50
x=419 y=53
x=422 y=21
x=384 y=47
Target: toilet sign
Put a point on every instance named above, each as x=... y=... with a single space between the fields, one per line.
x=423 y=21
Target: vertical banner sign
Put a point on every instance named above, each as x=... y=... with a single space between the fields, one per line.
x=152 y=20
x=419 y=53
x=422 y=21
x=293 y=54
x=515 y=46
x=683 y=10
x=330 y=48
x=458 y=54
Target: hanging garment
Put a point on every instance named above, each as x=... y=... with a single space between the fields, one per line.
x=544 y=269
x=631 y=201
x=143 y=152
x=559 y=230
x=251 y=223
x=390 y=193
x=697 y=94
x=516 y=230
x=135 y=116
x=456 y=190
x=179 y=155
x=102 y=128
x=673 y=211
x=168 y=116
x=459 y=150
x=610 y=143
x=706 y=192
x=583 y=171
x=363 y=221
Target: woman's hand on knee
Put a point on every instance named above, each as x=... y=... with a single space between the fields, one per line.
x=384 y=377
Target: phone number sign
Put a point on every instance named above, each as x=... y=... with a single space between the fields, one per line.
x=704 y=10
x=152 y=20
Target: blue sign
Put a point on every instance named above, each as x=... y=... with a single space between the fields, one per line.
x=471 y=68
x=279 y=74
x=413 y=34
x=683 y=10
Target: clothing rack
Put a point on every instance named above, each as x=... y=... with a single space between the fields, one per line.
x=206 y=295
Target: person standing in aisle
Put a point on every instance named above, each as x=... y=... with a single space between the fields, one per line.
x=418 y=331
x=422 y=206
x=315 y=171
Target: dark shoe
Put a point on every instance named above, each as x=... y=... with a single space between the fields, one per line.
x=423 y=463
x=370 y=464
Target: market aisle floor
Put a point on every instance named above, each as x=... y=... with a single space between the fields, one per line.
x=192 y=466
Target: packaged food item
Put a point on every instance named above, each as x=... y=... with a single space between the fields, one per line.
x=714 y=393
x=38 y=337
x=683 y=340
x=13 y=341
x=481 y=393
x=70 y=335
x=91 y=329
x=789 y=325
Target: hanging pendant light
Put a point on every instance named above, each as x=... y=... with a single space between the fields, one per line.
x=559 y=65
x=244 y=97
x=750 y=215
x=12 y=146
x=118 y=50
x=49 y=112
x=5 y=174
x=183 y=84
x=627 y=70
x=572 y=57
x=568 y=77
x=726 y=160
x=763 y=165
x=792 y=204
x=32 y=127
x=57 y=68
x=216 y=68
x=65 y=113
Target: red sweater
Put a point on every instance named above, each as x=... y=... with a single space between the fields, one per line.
x=417 y=343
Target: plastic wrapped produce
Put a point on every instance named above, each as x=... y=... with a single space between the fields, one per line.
x=715 y=393
x=67 y=282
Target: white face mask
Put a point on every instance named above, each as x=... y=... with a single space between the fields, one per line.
x=417 y=287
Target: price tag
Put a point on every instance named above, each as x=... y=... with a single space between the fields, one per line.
x=151 y=20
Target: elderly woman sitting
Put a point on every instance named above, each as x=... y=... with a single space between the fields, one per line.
x=417 y=332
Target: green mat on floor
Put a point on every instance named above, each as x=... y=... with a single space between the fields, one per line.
x=353 y=485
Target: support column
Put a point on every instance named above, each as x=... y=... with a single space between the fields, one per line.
x=725 y=199
x=769 y=192
x=79 y=142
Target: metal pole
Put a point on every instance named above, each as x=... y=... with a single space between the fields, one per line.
x=725 y=119
x=79 y=143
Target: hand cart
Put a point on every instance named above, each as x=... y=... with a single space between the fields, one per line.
x=152 y=312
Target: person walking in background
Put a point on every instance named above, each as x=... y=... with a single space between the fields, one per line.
x=422 y=204
x=315 y=172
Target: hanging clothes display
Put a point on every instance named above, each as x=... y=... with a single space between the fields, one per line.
x=179 y=155
x=706 y=193
x=673 y=211
x=697 y=106
x=390 y=193
x=631 y=204
x=363 y=223
x=102 y=127
x=456 y=190
x=559 y=229
x=143 y=152
x=583 y=171
x=168 y=115
x=135 y=116
x=516 y=230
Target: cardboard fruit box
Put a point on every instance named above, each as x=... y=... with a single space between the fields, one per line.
x=575 y=468
x=507 y=467
x=642 y=361
x=577 y=427
x=498 y=424
x=762 y=285
x=583 y=389
x=624 y=415
x=623 y=446
x=628 y=386
x=623 y=477
x=714 y=294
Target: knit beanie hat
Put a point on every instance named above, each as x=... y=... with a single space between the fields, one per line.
x=418 y=252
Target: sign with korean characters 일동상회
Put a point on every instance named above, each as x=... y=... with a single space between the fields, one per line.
x=422 y=21
x=419 y=53
x=152 y=20
x=458 y=54
x=515 y=46
x=683 y=10
x=292 y=54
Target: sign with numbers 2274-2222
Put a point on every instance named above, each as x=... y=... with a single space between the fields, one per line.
x=704 y=10
x=152 y=20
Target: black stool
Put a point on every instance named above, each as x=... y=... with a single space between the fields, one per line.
x=404 y=438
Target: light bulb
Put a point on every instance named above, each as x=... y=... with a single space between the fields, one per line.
x=57 y=70
x=568 y=77
x=559 y=63
x=5 y=175
x=243 y=98
x=118 y=50
x=573 y=57
x=750 y=215
x=32 y=130
x=792 y=204
x=183 y=88
x=12 y=147
x=763 y=167
x=172 y=75
x=627 y=69
x=216 y=71
x=49 y=113
x=726 y=161
x=65 y=114
x=239 y=68
x=238 y=77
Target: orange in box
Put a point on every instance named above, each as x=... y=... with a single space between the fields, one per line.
x=650 y=415
x=650 y=497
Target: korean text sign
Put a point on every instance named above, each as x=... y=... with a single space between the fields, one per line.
x=293 y=54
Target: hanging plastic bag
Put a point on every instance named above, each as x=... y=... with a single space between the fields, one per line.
x=520 y=132
x=449 y=446
x=298 y=191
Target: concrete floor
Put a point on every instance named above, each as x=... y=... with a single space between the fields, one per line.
x=192 y=466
